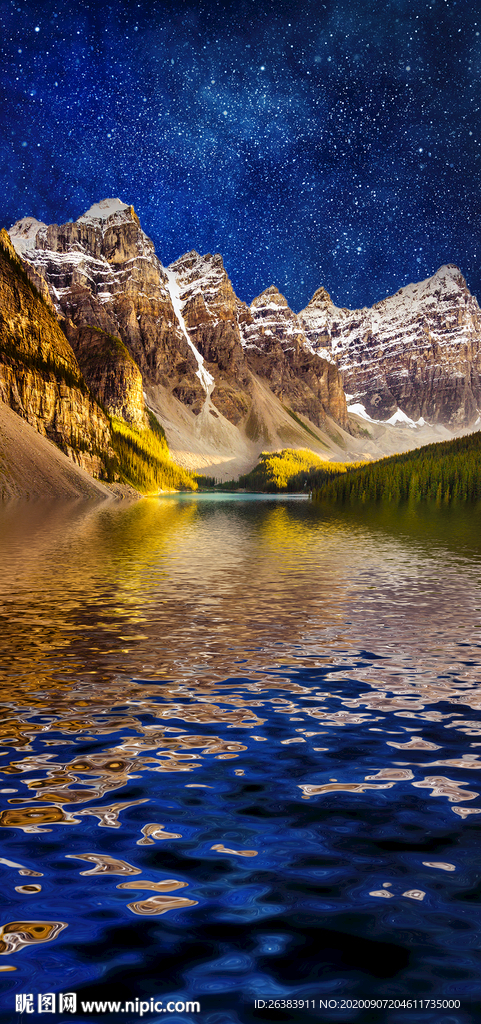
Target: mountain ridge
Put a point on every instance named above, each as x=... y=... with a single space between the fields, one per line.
x=418 y=350
x=182 y=325
x=226 y=379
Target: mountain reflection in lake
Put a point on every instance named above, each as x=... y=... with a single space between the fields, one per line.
x=240 y=752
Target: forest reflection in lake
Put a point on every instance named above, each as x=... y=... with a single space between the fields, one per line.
x=266 y=718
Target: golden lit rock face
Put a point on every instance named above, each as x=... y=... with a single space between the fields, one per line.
x=110 y=372
x=26 y=320
x=102 y=272
x=40 y=378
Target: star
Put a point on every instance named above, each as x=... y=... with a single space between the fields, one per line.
x=266 y=137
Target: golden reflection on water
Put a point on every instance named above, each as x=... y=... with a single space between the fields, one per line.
x=105 y=865
x=153 y=832
x=153 y=582
x=17 y=934
x=168 y=885
x=30 y=818
x=160 y=905
x=238 y=853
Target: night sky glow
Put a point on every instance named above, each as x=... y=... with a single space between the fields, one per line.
x=334 y=143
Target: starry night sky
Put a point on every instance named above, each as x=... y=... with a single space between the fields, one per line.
x=334 y=143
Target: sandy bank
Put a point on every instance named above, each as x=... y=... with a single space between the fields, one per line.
x=32 y=467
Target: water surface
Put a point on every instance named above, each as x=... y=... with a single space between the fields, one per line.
x=240 y=756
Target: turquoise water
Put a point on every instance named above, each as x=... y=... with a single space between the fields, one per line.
x=240 y=753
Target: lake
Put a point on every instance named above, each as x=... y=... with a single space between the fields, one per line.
x=240 y=756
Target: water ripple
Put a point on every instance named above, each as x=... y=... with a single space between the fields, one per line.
x=318 y=680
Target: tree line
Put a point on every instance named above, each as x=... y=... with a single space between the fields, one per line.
x=444 y=472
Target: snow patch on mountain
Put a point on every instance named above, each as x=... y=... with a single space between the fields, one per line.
x=23 y=234
x=206 y=378
x=64 y=269
x=103 y=210
x=398 y=418
x=323 y=353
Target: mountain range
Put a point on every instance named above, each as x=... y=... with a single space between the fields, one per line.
x=94 y=329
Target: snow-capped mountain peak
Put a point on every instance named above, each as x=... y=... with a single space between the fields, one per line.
x=24 y=232
x=104 y=210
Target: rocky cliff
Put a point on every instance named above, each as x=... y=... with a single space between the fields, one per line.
x=227 y=379
x=40 y=378
x=274 y=338
x=418 y=351
x=102 y=272
x=111 y=374
x=57 y=392
x=183 y=325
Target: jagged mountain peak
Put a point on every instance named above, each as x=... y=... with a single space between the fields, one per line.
x=448 y=270
x=202 y=276
x=188 y=259
x=319 y=310
x=28 y=233
x=268 y=298
x=446 y=274
x=417 y=350
x=442 y=280
x=193 y=261
x=447 y=281
x=110 y=213
x=321 y=298
x=449 y=274
x=110 y=231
